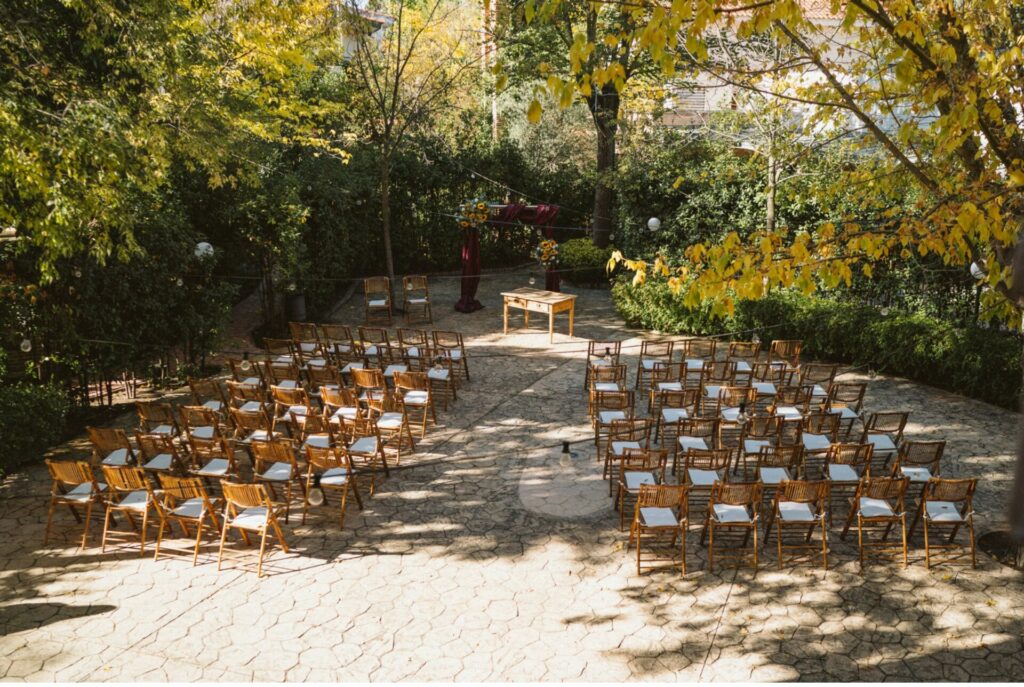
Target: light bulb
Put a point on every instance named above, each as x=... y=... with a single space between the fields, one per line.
x=179 y=281
x=883 y=311
x=756 y=338
x=872 y=372
x=78 y=273
x=203 y=250
x=315 y=496
x=654 y=224
x=565 y=460
x=26 y=345
x=245 y=365
x=533 y=280
x=978 y=270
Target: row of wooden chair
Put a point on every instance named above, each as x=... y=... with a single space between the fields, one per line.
x=415 y=298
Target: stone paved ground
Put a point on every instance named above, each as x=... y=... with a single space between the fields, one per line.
x=483 y=559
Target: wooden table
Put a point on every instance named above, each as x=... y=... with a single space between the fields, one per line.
x=537 y=300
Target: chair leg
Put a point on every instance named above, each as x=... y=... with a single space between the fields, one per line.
x=88 y=520
x=199 y=536
x=142 y=535
x=970 y=538
x=903 y=529
x=682 y=545
x=49 y=520
x=106 y=525
x=263 y=548
x=223 y=538
x=927 y=551
x=860 y=539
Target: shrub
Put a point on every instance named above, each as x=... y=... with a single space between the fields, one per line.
x=981 y=363
x=582 y=263
x=32 y=418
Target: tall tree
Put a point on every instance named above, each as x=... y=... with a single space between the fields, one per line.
x=408 y=65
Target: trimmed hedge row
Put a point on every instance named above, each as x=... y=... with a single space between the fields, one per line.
x=981 y=363
x=32 y=419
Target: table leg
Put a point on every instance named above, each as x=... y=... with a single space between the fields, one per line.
x=526 y=318
x=506 y=316
x=551 y=326
x=572 y=315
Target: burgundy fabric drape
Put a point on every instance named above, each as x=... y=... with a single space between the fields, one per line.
x=541 y=216
x=470 y=271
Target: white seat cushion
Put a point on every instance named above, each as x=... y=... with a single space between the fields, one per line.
x=347 y=412
x=673 y=414
x=649 y=363
x=353 y=366
x=787 y=411
x=317 y=441
x=136 y=500
x=288 y=384
x=117 y=457
x=818 y=390
x=633 y=480
x=364 y=445
x=260 y=435
x=728 y=513
x=702 y=478
x=791 y=511
x=308 y=346
x=453 y=353
x=943 y=511
x=378 y=303
x=284 y=358
x=658 y=517
x=217 y=467
x=316 y=362
x=842 y=473
x=773 y=475
x=81 y=493
x=298 y=410
x=694 y=364
x=600 y=362
x=844 y=413
x=711 y=391
x=765 y=388
x=334 y=476
x=278 y=472
x=882 y=443
x=438 y=374
x=390 y=370
x=670 y=386
x=163 y=430
x=731 y=414
x=816 y=442
x=251 y=407
x=160 y=462
x=193 y=508
x=251 y=518
x=692 y=442
x=415 y=397
x=875 y=508
x=213 y=405
x=418 y=301
x=605 y=417
x=390 y=421
x=754 y=445
x=742 y=366
x=252 y=381
x=607 y=386
x=204 y=432
x=916 y=473
x=413 y=352
x=619 y=447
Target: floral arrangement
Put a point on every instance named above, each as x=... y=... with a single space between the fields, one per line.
x=546 y=253
x=473 y=213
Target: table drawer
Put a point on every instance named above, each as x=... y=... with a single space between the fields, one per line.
x=524 y=304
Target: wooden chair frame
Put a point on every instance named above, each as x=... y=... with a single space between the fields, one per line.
x=660 y=496
x=377 y=298
x=731 y=495
x=73 y=485
x=335 y=466
x=253 y=499
x=416 y=293
x=892 y=492
x=178 y=503
x=808 y=500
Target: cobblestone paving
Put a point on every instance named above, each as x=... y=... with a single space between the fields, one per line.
x=483 y=559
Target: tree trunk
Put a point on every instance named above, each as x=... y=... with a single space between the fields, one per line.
x=770 y=192
x=385 y=217
x=605 y=109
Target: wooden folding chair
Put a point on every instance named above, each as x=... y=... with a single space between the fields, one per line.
x=820 y=431
x=787 y=351
x=330 y=469
x=74 y=486
x=631 y=433
x=366 y=450
x=674 y=406
x=377 y=298
x=702 y=433
x=918 y=461
x=664 y=377
x=414 y=345
x=157 y=418
x=158 y=453
x=819 y=376
x=636 y=468
x=845 y=466
x=733 y=510
x=274 y=463
x=777 y=465
x=605 y=378
x=110 y=446
x=246 y=396
x=703 y=469
x=600 y=353
x=288 y=401
x=184 y=501
x=878 y=506
x=747 y=351
x=372 y=390
x=210 y=394
x=128 y=493
x=201 y=421
x=799 y=506
x=660 y=514
x=947 y=505
x=279 y=350
x=451 y=345
x=697 y=348
x=414 y=395
x=652 y=353
x=846 y=399
x=245 y=371
x=416 y=295
x=885 y=431
x=608 y=407
x=756 y=433
x=249 y=509
x=282 y=373
x=212 y=459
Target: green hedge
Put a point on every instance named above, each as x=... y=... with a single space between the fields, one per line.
x=981 y=363
x=582 y=263
x=32 y=418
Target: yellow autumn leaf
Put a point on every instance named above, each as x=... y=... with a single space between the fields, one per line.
x=534 y=111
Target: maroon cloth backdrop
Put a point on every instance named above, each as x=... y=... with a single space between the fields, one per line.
x=541 y=216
